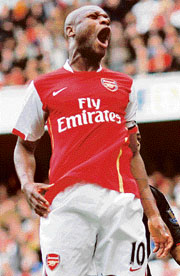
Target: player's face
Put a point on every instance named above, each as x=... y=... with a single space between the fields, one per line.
x=92 y=32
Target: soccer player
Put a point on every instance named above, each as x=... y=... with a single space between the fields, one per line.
x=91 y=210
x=171 y=222
x=167 y=216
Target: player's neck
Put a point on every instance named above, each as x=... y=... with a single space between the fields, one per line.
x=83 y=64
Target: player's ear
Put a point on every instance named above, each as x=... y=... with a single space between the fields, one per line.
x=70 y=31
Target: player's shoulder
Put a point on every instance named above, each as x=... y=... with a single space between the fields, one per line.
x=117 y=74
x=50 y=77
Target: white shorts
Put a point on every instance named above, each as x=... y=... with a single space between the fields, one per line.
x=93 y=231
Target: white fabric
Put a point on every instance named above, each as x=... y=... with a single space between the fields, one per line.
x=31 y=119
x=145 y=10
x=175 y=18
x=85 y=215
x=131 y=109
x=69 y=68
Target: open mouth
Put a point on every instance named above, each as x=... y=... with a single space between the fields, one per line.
x=104 y=36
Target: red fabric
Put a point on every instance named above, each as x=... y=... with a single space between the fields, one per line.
x=90 y=141
x=133 y=130
x=18 y=133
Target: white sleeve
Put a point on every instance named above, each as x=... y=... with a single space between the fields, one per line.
x=131 y=109
x=30 y=122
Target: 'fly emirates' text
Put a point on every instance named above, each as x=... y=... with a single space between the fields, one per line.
x=86 y=117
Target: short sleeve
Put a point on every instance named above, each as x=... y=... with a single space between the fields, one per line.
x=131 y=109
x=30 y=122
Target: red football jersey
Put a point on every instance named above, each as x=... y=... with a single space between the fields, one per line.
x=87 y=123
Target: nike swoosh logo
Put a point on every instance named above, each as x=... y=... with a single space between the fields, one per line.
x=57 y=92
x=134 y=269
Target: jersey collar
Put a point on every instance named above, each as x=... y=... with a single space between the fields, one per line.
x=69 y=68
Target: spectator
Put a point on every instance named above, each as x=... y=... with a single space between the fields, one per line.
x=175 y=64
x=118 y=53
x=175 y=14
x=19 y=239
x=141 y=54
x=35 y=30
x=171 y=36
x=159 y=58
x=145 y=10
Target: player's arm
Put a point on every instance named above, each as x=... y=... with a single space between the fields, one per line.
x=30 y=127
x=157 y=227
x=25 y=165
x=158 y=230
x=175 y=253
x=170 y=220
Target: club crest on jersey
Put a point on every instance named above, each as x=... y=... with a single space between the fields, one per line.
x=52 y=260
x=109 y=84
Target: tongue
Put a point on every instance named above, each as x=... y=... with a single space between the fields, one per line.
x=102 y=36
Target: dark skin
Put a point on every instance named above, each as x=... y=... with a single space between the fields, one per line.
x=24 y=152
x=175 y=252
x=82 y=29
x=88 y=33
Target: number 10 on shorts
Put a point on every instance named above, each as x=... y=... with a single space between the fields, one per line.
x=137 y=254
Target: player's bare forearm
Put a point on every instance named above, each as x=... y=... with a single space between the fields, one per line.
x=24 y=161
x=158 y=230
x=25 y=165
x=139 y=172
x=147 y=198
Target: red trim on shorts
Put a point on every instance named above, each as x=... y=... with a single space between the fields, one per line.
x=18 y=133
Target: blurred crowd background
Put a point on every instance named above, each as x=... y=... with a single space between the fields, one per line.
x=145 y=36
x=145 y=40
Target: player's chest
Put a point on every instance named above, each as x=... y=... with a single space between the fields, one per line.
x=87 y=93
